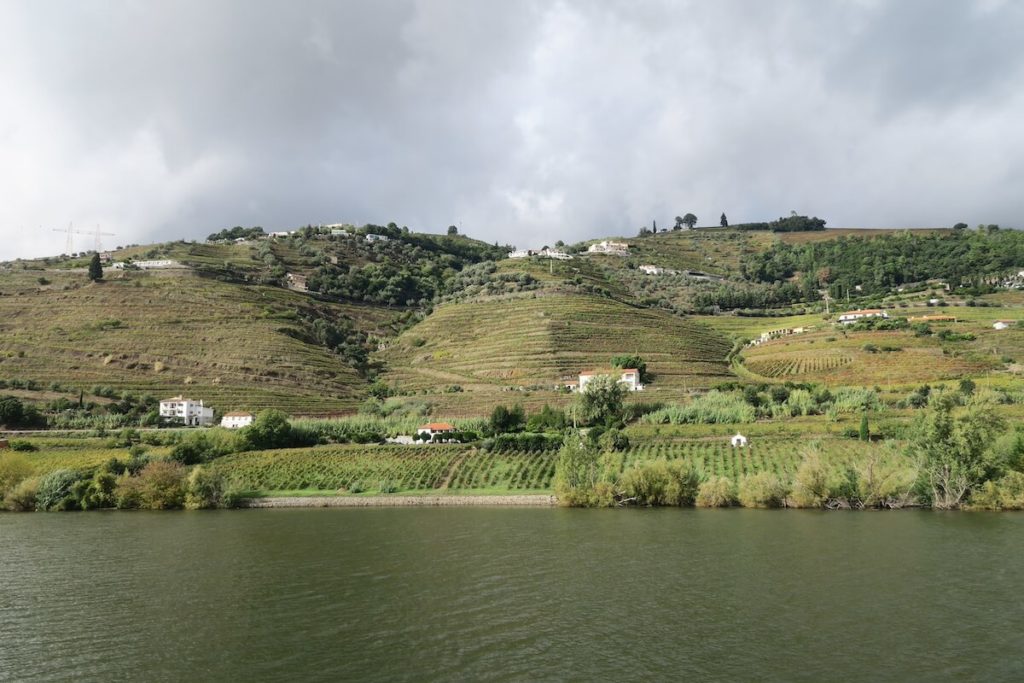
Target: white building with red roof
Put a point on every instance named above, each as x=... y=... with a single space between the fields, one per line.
x=630 y=377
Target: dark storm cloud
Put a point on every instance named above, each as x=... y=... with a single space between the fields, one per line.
x=524 y=122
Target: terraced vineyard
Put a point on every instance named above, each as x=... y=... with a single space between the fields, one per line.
x=718 y=458
x=491 y=346
x=786 y=367
x=388 y=469
x=166 y=333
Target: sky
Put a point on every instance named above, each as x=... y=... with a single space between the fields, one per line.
x=520 y=122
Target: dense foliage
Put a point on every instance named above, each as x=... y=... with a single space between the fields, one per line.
x=880 y=263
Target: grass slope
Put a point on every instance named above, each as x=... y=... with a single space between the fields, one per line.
x=172 y=332
x=491 y=347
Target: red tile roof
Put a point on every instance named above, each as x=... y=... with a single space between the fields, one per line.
x=439 y=427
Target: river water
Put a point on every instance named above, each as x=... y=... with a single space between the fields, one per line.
x=511 y=594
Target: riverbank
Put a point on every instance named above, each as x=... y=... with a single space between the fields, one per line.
x=401 y=501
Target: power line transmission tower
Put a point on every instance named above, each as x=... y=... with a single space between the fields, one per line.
x=97 y=234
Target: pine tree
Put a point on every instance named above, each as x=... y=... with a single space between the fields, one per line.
x=95 y=268
x=725 y=221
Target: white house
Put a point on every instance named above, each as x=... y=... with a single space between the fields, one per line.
x=236 y=420
x=339 y=232
x=652 y=270
x=281 y=233
x=546 y=252
x=738 y=440
x=854 y=316
x=609 y=247
x=187 y=411
x=374 y=237
x=629 y=376
x=433 y=429
x=1002 y=324
x=150 y=265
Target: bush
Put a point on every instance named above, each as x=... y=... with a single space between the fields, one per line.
x=201 y=447
x=762 y=490
x=660 y=483
x=716 y=492
x=54 y=491
x=14 y=468
x=23 y=497
x=1006 y=493
x=159 y=486
x=714 y=407
x=204 y=489
x=96 y=492
x=23 y=446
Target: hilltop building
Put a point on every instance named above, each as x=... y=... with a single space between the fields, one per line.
x=374 y=237
x=187 y=411
x=854 y=316
x=609 y=247
x=546 y=252
x=236 y=420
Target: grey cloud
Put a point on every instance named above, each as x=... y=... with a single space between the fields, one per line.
x=526 y=122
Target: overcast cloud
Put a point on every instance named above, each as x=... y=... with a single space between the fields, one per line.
x=524 y=122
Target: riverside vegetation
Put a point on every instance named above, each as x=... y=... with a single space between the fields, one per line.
x=910 y=411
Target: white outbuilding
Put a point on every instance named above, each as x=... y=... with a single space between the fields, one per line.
x=236 y=420
x=739 y=441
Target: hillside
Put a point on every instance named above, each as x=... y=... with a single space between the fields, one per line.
x=532 y=343
x=308 y=321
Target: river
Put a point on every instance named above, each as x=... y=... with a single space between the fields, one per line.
x=511 y=594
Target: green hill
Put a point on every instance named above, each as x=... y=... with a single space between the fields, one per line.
x=529 y=344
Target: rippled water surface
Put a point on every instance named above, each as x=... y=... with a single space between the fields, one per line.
x=510 y=594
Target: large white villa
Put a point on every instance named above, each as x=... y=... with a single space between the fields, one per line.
x=187 y=411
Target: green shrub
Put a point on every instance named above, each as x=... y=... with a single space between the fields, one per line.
x=660 y=482
x=1006 y=493
x=23 y=497
x=23 y=446
x=159 y=486
x=96 y=492
x=54 y=491
x=716 y=492
x=762 y=490
x=14 y=468
x=714 y=407
x=204 y=489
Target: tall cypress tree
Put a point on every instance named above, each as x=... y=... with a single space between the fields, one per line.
x=95 y=268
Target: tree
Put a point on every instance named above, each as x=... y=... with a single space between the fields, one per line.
x=654 y=226
x=634 y=362
x=601 y=401
x=724 y=221
x=679 y=223
x=452 y=230
x=960 y=226
x=271 y=429
x=504 y=420
x=690 y=220
x=954 y=452
x=576 y=471
x=95 y=268
x=12 y=411
x=865 y=430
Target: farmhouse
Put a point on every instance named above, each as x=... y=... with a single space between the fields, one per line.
x=738 y=440
x=433 y=429
x=187 y=411
x=546 y=252
x=1003 y=324
x=854 y=316
x=656 y=270
x=374 y=237
x=629 y=377
x=281 y=233
x=150 y=265
x=296 y=282
x=609 y=247
x=339 y=232
x=236 y=420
